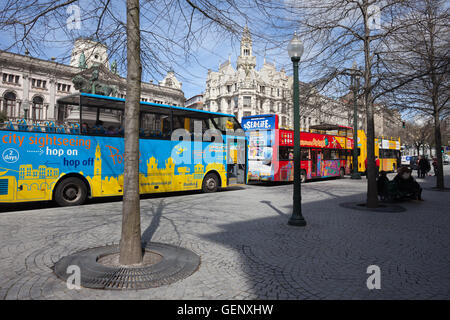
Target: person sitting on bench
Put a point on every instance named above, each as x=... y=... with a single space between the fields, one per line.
x=406 y=185
x=382 y=185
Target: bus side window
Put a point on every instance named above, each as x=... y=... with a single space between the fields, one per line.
x=334 y=154
x=199 y=122
x=286 y=153
x=304 y=154
x=178 y=122
x=102 y=121
x=165 y=122
x=155 y=125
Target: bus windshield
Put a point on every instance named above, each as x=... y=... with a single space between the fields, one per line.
x=224 y=123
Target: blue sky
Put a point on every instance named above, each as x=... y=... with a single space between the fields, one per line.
x=192 y=75
x=191 y=69
x=208 y=47
x=213 y=47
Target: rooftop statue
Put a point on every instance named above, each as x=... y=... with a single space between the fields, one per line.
x=114 y=67
x=93 y=85
x=82 y=62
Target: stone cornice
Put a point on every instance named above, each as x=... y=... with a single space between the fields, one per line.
x=35 y=65
x=39 y=66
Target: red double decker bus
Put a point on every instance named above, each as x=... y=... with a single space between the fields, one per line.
x=325 y=150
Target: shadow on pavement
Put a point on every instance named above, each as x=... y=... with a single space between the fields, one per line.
x=283 y=183
x=24 y=206
x=328 y=259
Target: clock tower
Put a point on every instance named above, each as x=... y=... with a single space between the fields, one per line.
x=246 y=60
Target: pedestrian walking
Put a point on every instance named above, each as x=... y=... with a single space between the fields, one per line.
x=435 y=166
x=423 y=167
x=377 y=165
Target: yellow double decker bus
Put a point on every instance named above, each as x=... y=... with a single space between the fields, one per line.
x=386 y=149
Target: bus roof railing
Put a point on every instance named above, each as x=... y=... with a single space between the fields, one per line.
x=97 y=100
x=329 y=126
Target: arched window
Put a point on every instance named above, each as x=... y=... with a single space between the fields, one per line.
x=38 y=108
x=9 y=105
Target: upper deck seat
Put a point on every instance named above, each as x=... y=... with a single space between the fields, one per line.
x=75 y=128
x=50 y=127
x=22 y=125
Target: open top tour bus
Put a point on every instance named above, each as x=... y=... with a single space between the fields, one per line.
x=325 y=150
x=81 y=155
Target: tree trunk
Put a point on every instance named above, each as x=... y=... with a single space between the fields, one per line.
x=372 y=194
x=438 y=139
x=130 y=243
x=435 y=102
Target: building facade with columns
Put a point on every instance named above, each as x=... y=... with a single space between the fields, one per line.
x=316 y=108
x=30 y=87
x=246 y=91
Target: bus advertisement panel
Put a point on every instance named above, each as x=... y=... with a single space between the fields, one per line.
x=262 y=137
x=72 y=165
x=271 y=151
x=325 y=155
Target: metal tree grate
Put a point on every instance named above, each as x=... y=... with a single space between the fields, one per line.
x=382 y=207
x=177 y=263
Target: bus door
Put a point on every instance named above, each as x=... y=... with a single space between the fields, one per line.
x=316 y=162
x=236 y=160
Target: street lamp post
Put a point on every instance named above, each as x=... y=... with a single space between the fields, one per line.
x=295 y=50
x=355 y=74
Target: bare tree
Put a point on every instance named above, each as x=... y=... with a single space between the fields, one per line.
x=130 y=242
x=336 y=33
x=169 y=31
x=417 y=136
x=421 y=53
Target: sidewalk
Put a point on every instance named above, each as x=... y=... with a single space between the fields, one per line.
x=247 y=249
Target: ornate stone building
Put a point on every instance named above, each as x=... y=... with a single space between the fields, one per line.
x=30 y=86
x=246 y=91
x=195 y=102
x=316 y=109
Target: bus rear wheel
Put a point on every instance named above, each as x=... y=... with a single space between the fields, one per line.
x=70 y=192
x=210 y=183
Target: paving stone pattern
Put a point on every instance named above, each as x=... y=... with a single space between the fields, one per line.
x=247 y=249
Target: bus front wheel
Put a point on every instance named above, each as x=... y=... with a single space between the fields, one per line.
x=210 y=183
x=70 y=192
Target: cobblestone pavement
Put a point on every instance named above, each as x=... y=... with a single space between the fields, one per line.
x=247 y=249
